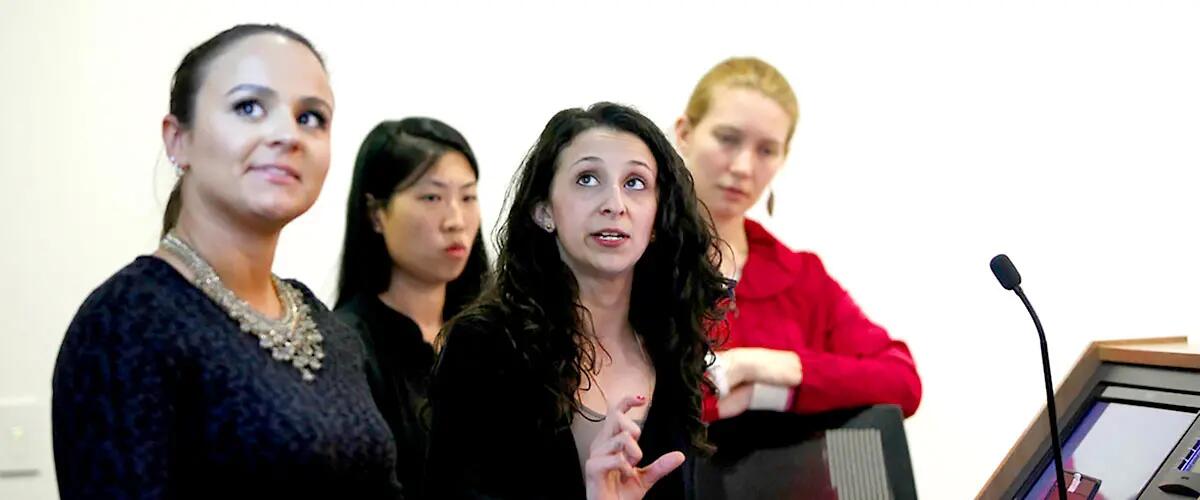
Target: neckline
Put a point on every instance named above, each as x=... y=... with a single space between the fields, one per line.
x=156 y=261
x=406 y=323
x=597 y=417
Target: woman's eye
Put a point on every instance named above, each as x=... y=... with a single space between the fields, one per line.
x=587 y=180
x=635 y=183
x=250 y=108
x=312 y=119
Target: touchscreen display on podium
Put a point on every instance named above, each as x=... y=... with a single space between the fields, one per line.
x=1121 y=444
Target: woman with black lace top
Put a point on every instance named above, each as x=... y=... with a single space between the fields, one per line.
x=195 y=372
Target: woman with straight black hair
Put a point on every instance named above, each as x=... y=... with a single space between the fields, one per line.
x=413 y=257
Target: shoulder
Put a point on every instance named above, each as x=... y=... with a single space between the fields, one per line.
x=131 y=322
x=131 y=303
x=480 y=329
x=354 y=313
x=479 y=342
x=370 y=315
x=774 y=267
x=145 y=278
x=765 y=245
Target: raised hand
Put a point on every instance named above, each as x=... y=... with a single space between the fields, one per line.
x=611 y=471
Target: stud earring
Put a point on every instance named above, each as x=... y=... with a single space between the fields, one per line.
x=179 y=169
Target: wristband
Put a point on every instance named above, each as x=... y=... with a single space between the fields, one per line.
x=770 y=397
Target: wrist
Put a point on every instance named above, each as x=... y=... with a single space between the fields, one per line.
x=737 y=370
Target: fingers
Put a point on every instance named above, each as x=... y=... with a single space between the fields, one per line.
x=622 y=423
x=627 y=403
x=617 y=421
x=623 y=444
x=616 y=447
x=615 y=425
x=599 y=466
x=661 y=467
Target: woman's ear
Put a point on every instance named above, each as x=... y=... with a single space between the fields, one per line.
x=173 y=135
x=375 y=213
x=542 y=216
x=683 y=135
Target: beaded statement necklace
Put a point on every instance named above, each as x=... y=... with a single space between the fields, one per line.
x=291 y=339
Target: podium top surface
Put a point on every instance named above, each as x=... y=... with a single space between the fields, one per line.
x=1171 y=352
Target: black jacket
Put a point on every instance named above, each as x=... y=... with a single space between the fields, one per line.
x=492 y=434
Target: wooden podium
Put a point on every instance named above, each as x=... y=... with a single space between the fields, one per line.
x=1076 y=391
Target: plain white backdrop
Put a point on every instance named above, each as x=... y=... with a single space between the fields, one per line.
x=934 y=134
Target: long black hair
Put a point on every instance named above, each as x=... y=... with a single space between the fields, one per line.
x=190 y=75
x=678 y=294
x=394 y=155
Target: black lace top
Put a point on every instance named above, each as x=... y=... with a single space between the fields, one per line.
x=159 y=395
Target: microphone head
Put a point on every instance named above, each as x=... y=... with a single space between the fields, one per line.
x=1005 y=272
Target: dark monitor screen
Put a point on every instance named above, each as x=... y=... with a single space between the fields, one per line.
x=1120 y=444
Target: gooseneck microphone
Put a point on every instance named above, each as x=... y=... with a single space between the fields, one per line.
x=1010 y=279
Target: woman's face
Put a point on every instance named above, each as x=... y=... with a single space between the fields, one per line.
x=430 y=226
x=603 y=202
x=258 y=149
x=735 y=150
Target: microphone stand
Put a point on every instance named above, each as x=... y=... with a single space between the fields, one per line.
x=1055 y=441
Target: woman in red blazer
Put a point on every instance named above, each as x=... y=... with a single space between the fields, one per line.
x=797 y=342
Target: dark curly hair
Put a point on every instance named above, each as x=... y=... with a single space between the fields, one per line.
x=393 y=156
x=678 y=294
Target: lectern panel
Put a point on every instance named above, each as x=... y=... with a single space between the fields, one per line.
x=1122 y=444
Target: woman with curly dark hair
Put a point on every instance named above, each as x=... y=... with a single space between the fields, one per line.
x=588 y=353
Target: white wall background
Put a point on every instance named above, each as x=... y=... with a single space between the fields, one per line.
x=934 y=134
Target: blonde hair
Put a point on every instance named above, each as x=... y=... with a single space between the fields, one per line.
x=749 y=73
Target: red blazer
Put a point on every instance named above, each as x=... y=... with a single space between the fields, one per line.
x=786 y=300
